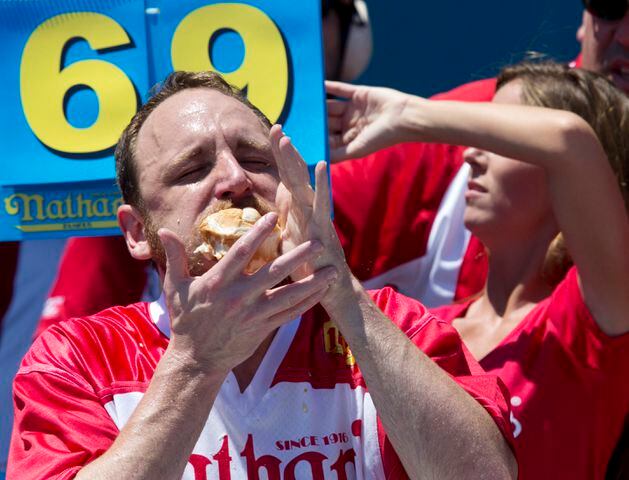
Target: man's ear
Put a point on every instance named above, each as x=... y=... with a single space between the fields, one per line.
x=581 y=30
x=132 y=226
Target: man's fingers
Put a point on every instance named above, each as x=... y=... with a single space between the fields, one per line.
x=293 y=312
x=276 y=134
x=243 y=250
x=321 y=209
x=340 y=89
x=176 y=258
x=280 y=268
x=292 y=168
x=286 y=297
x=296 y=177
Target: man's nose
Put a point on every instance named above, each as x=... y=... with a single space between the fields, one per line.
x=231 y=180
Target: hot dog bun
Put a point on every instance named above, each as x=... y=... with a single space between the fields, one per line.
x=220 y=231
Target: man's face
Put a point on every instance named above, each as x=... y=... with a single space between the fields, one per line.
x=198 y=152
x=605 y=48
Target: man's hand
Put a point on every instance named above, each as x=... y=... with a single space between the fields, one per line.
x=305 y=212
x=366 y=120
x=219 y=319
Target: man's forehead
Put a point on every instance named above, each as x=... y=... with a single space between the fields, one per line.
x=193 y=110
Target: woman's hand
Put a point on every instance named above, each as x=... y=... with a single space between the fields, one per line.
x=363 y=119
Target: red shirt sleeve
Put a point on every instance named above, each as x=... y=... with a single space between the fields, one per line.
x=573 y=325
x=60 y=424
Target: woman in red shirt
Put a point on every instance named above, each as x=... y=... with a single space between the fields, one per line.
x=545 y=196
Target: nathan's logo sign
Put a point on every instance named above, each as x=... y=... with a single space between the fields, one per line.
x=335 y=343
x=76 y=72
x=37 y=212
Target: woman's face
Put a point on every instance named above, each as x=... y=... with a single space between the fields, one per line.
x=505 y=198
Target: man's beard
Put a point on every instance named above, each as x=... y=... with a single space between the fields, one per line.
x=198 y=264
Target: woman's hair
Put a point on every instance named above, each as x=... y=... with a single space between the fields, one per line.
x=598 y=102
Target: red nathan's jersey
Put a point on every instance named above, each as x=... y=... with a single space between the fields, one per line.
x=568 y=383
x=306 y=414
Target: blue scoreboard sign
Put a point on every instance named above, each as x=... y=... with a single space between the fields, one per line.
x=76 y=71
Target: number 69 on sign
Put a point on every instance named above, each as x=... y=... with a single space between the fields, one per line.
x=45 y=88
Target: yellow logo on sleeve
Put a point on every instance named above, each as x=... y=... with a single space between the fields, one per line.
x=335 y=343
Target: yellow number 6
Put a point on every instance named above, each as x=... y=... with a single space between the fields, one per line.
x=264 y=70
x=43 y=86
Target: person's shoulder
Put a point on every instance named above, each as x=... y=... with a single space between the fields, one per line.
x=130 y=318
x=563 y=326
x=477 y=91
x=566 y=308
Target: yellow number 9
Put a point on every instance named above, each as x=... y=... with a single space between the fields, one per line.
x=264 y=70
x=43 y=86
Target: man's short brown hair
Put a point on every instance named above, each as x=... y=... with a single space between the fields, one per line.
x=126 y=174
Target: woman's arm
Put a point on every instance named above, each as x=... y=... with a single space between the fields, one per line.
x=586 y=199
